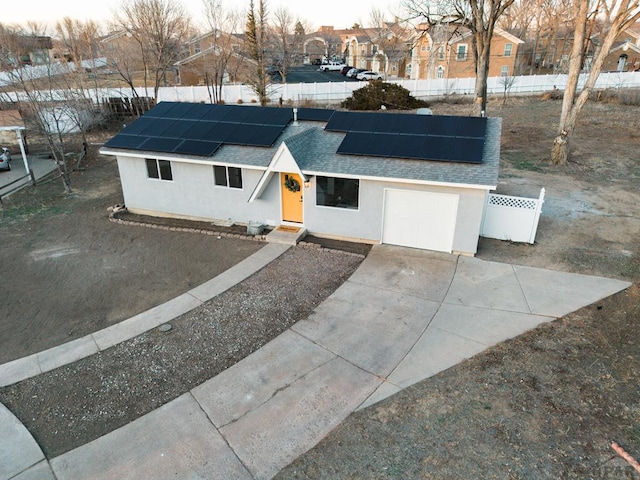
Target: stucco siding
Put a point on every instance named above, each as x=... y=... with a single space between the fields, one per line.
x=192 y=193
x=366 y=222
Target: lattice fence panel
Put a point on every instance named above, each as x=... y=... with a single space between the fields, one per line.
x=513 y=202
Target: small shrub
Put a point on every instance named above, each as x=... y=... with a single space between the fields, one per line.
x=239 y=101
x=378 y=94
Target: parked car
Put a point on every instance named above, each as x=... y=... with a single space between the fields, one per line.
x=5 y=159
x=369 y=75
x=354 y=71
x=332 y=66
x=317 y=61
x=345 y=69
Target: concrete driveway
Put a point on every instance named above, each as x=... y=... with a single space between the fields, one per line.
x=18 y=176
x=403 y=316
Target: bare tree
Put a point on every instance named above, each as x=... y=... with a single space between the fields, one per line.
x=256 y=43
x=159 y=28
x=480 y=17
x=44 y=94
x=282 y=41
x=221 y=58
x=617 y=16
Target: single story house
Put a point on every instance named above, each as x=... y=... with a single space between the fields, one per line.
x=399 y=178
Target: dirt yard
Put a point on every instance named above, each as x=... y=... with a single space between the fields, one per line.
x=544 y=405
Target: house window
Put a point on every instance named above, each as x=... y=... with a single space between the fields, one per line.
x=440 y=72
x=507 y=49
x=230 y=177
x=441 y=52
x=461 y=53
x=337 y=192
x=423 y=48
x=504 y=71
x=374 y=49
x=197 y=48
x=159 y=169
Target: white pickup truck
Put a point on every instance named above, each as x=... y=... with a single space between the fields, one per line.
x=325 y=67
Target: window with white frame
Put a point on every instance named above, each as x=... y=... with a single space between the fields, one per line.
x=504 y=71
x=507 y=49
x=440 y=72
x=230 y=177
x=461 y=52
x=441 y=52
x=159 y=169
x=337 y=192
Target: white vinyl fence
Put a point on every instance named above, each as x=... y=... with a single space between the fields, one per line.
x=335 y=92
x=511 y=218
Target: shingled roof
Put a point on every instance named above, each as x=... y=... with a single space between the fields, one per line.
x=315 y=150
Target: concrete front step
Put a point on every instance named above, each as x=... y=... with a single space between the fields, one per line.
x=286 y=234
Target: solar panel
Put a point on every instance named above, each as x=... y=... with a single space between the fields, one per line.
x=238 y=115
x=125 y=141
x=340 y=122
x=408 y=146
x=437 y=148
x=280 y=116
x=180 y=128
x=468 y=150
x=474 y=127
x=419 y=125
x=197 y=147
x=199 y=130
x=241 y=135
x=315 y=114
x=195 y=111
x=365 y=122
x=221 y=132
x=157 y=144
x=445 y=126
x=392 y=123
x=176 y=111
x=265 y=136
x=355 y=144
x=138 y=126
x=162 y=109
x=157 y=127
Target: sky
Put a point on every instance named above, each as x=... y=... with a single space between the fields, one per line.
x=339 y=13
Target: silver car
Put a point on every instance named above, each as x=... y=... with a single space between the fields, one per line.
x=5 y=159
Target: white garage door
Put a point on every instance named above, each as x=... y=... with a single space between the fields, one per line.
x=420 y=219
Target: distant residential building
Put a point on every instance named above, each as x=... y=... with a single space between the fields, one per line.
x=446 y=52
x=22 y=50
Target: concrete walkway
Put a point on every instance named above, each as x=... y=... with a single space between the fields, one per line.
x=403 y=316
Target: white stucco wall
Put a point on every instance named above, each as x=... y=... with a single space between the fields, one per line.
x=192 y=194
x=366 y=222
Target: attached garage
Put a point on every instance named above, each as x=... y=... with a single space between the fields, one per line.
x=420 y=219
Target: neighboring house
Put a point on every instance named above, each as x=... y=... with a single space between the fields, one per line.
x=32 y=50
x=405 y=179
x=213 y=55
x=446 y=52
x=624 y=55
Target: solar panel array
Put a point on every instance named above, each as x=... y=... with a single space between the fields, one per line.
x=315 y=114
x=420 y=137
x=200 y=129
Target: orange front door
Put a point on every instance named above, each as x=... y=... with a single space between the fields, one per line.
x=291 y=185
